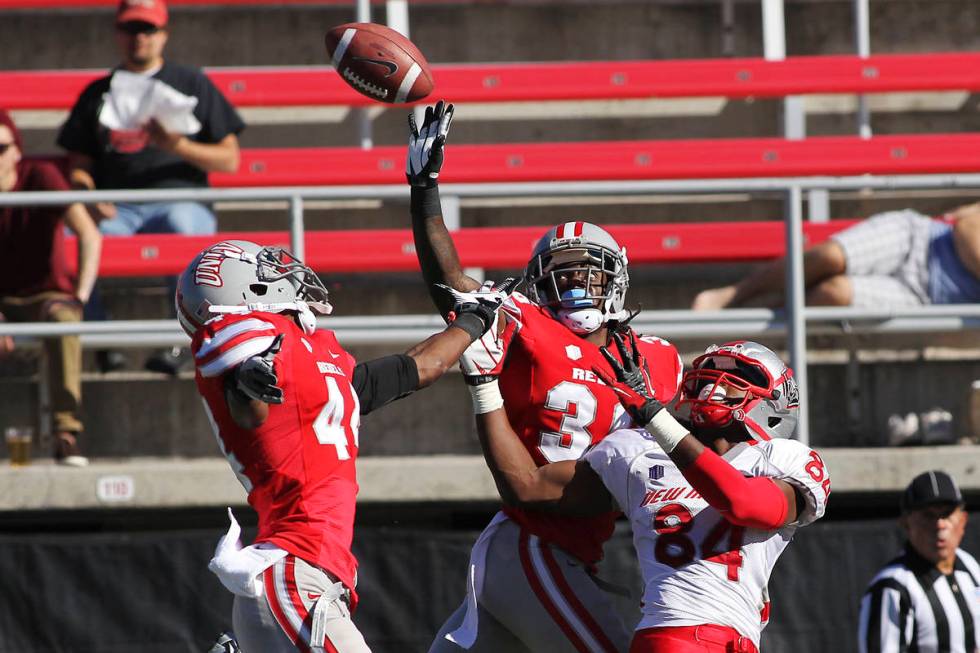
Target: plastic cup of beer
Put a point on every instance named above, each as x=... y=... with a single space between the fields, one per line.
x=19 y=444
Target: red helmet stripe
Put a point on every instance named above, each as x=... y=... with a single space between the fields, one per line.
x=567 y=230
x=578 y=229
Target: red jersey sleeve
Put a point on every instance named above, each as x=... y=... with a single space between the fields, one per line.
x=226 y=341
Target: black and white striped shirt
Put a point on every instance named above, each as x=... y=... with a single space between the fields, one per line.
x=912 y=606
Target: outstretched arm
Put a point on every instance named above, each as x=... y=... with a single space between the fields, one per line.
x=433 y=244
x=383 y=380
x=569 y=487
x=763 y=503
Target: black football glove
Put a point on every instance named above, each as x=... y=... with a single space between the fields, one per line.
x=425 y=145
x=256 y=376
x=475 y=312
x=631 y=383
x=635 y=371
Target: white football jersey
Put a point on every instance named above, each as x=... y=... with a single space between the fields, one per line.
x=697 y=567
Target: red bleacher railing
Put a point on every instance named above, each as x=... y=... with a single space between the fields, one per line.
x=89 y=4
x=393 y=250
x=569 y=80
x=618 y=160
x=736 y=158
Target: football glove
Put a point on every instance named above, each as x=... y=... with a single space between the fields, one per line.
x=481 y=362
x=256 y=376
x=425 y=145
x=476 y=311
x=636 y=372
x=225 y=644
x=631 y=382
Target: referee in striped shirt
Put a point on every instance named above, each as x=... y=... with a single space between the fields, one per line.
x=928 y=599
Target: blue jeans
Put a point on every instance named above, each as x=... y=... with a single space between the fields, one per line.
x=188 y=218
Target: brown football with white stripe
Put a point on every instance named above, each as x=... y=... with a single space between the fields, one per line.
x=379 y=62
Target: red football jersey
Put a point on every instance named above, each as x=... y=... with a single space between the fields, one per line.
x=298 y=466
x=559 y=408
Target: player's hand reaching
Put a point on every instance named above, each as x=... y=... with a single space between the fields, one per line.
x=636 y=372
x=482 y=361
x=256 y=376
x=632 y=380
x=476 y=312
x=425 y=145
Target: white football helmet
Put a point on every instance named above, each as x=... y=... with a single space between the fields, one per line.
x=238 y=276
x=594 y=250
x=742 y=383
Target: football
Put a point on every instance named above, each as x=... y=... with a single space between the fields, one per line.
x=379 y=62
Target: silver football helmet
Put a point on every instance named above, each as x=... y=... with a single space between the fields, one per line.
x=238 y=276
x=742 y=383
x=588 y=250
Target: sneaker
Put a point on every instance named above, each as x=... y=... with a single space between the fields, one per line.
x=903 y=430
x=225 y=644
x=169 y=361
x=937 y=426
x=66 y=450
x=109 y=360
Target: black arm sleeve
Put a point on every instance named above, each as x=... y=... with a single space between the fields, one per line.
x=384 y=380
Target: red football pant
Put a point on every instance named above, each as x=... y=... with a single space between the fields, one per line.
x=691 y=639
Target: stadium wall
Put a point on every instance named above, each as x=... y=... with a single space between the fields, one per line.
x=97 y=592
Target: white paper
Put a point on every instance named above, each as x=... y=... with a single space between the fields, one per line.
x=133 y=100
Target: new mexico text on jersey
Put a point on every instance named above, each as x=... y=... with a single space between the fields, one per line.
x=298 y=466
x=697 y=567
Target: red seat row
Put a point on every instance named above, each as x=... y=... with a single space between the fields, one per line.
x=569 y=80
x=618 y=160
x=392 y=250
x=87 y=4
x=613 y=160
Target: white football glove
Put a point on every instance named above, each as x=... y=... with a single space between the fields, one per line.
x=482 y=360
x=256 y=376
x=425 y=145
x=475 y=311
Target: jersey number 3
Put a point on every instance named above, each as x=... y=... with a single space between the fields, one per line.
x=578 y=407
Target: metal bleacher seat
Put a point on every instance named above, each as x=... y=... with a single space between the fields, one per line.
x=391 y=250
x=735 y=164
x=566 y=80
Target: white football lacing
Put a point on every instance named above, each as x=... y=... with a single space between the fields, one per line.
x=364 y=85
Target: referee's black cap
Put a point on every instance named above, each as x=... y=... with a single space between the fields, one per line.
x=929 y=488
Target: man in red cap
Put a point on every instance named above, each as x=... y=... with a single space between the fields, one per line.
x=116 y=140
x=36 y=284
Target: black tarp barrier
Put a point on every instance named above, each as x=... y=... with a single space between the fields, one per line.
x=151 y=592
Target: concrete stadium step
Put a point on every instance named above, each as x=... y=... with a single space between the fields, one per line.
x=154 y=482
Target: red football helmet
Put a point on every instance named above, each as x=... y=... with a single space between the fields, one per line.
x=743 y=383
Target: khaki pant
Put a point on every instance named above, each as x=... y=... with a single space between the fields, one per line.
x=304 y=609
x=534 y=597
x=64 y=354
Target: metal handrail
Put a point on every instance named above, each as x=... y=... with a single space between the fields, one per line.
x=791 y=188
x=523 y=189
x=398 y=329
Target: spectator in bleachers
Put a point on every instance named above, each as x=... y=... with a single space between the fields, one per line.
x=897 y=259
x=36 y=284
x=150 y=123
